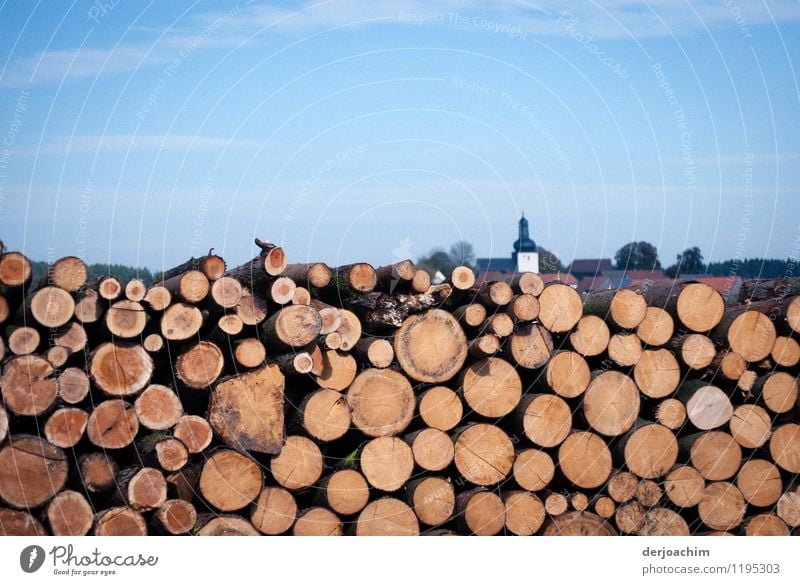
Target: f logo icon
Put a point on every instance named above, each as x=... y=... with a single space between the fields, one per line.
x=31 y=558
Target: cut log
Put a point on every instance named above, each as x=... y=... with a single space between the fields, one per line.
x=784 y=447
x=158 y=408
x=72 y=336
x=382 y=402
x=715 y=455
x=200 y=366
x=28 y=385
x=292 y=326
x=499 y=324
x=560 y=307
x=650 y=451
x=135 y=290
x=66 y=426
x=748 y=331
x=16 y=523
x=440 y=408
x=696 y=305
x=471 y=315
x=314 y=275
x=555 y=503
x=528 y=283
x=112 y=424
x=181 y=322
x=88 y=308
x=230 y=481
x=5 y=310
x=590 y=337
x=433 y=449
x=170 y=454
x=657 y=373
x=494 y=294
x=786 y=352
x=578 y=524
x=629 y=517
x=480 y=512
x=246 y=410
x=778 y=391
x=15 y=269
x=250 y=353
x=604 y=507
x=567 y=374
x=3 y=424
x=533 y=469
x=484 y=346
x=656 y=328
x=346 y=492
x=301 y=296
x=349 y=330
x=761 y=290
x=462 y=278
x=579 y=501
x=624 y=308
x=530 y=346
x=722 y=506
x=325 y=415
x=750 y=426
x=379 y=353
x=317 y=521
x=281 y=291
x=622 y=487
x=293 y=364
x=523 y=308
x=299 y=464
x=330 y=316
x=421 y=281
x=191 y=286
x=120 y=521
x=51 y=307
x=384 y=312
x=337 y=371
x=671 y=413
x=707 y=407
x=491 y=387
x=611 y=403
x=158 y=298
x=108 y=287
x=649 y=493
x=252 y=310
x=728 y=364
x=789 y=508
x=387 y=517
x=227 y=292
x=98 y=472
x=484 y=454
x=274 y=511
x=175 y=517
x=585 y=460
x=387 y=463
x=765 y=525
x=663 y=522
x=624 y=349
x=431 y=347
x=73 y=385
x=22 y=340
x=142 y=488
x=120 y=370
x=760 y=482
x=223 y=525
x=211 y=265
x=57 y=356
x=392 y=275
x=433 y=499
x=544 y=419
x=684 y=486
x=32 y=471
x=359 y=277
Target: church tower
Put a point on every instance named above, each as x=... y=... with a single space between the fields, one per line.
x=525 y=256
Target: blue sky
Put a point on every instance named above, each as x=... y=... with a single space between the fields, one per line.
x=144 y=133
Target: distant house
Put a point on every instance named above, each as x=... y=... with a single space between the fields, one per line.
x=589 y=267
x=524 y=257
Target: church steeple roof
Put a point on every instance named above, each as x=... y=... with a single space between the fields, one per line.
x=524 y=243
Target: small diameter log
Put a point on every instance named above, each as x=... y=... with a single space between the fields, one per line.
x=471 y=315
x=301 y=296
x=585 y=460
x=765 y=525
x=421 y=281
x=57 y=356
x=760 y=482
x=200 y=366
x=175 y=517
x=629 y=517
x=648 y=493
x=528 y=283
x=499 y=324
x=281 y=291
x=748 y=330
x=314 y=275
x=135 y=290
x=69 y=273
x=72 y=336
x=293 y=364
x=624 y=349
x=325 y=415
x=230 y=481
x=432 y=449
x=714 y=454
x=590 y=337
x=274 y=511
x=387 y=463
x=69 y=514
x=51 y=307
x=98 y=471
x=555 y=503
x=120 y=521
x=66 y=426
x=183 y=483
x=346 y=492
x=32 y=471
x=728 y=364
x=777 y=391
x=15 y=269
x=170 y=454
x=158 y=408
x=292 y=326
x=484 y=346
x=223 y=525
x=16 y=523
x=382 y=402
x=560 y=307
x=440 y=408
x=788 y=508
x=695 y=350
x=494 y=294
x=246 y=410
x=337 y=370
x=663 y=522
x=525 y=513
x=390 y=276
x=650 y=451
x=431 y=347
x=112 y=424
x=88 y=308
x=523 y=308
x=28 y=385
x=359 y=277
x=484 y=454
x=579 y=501
x=108 y=287
x=622 y=486
x=624 y=308
x=158 y=298
x=604 y=507
x=227 y=292
x=142 y=488
x=696 y=305
x=299 y=464
x=707 y=407
x=73 y=385
x=531 y=346
x=784 y=447
x=545 y=419
x=22 y=340
x=250 y=353
x=722 y=506
x=120 y=370
x=611 y=403
x=671 y=413
x=750 y=426
x=656 y=328
x=349 y=330
x=153 y=343
x=657 y=373
x=491 y=387
x=684 y=486
x=578 y=524
x=480 y=512
x=252 y=310
x=533 y=469
x=567 y=374
x=317 y=521
x=387 y=517
x=191 y=287
x=181 y=322
x=376 y=352
x=786 y=352
x=462 y=278
x=433 y=499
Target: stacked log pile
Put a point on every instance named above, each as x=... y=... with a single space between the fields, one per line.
x=275 y=398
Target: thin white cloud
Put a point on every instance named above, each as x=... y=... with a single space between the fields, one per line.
x=135 y=142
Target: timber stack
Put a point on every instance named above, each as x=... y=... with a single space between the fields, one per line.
x=276 y=398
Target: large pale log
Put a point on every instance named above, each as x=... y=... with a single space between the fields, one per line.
x=533 y=469
x=274 y=511
x=696 y=305
x=200 y=366
x=120 y=521
x=656 y=328
x=325 y=415
x=749 y=329
x=578 y=524
x=299 y=464
x=158 y=408
x=345 y=491
x=292 y=326
x=230 y=481
x=484 y=454
x=120 y=370
x=624 y=308
x=560 y=307
x=715 y=454
x=317 y=521
x=657 y=373
x=387 y=463
x=387 y=517
x=544 y=419
x=530 y=346
x=722 y=506
x=611 y=403
x=684 y=486
x=567 y=374
x=784 y=447
x=440 y=408
x=491 y=387
x=432 y=498
x=591 y=336
x=112 y=424
x=431 y=347
x=432 y=449
x=585 y=460
x=66 y=427
x=32 y=471
x=382 y=402
x=760 y=482
x=480 y=512
x=525 y=513
x=28 y=385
